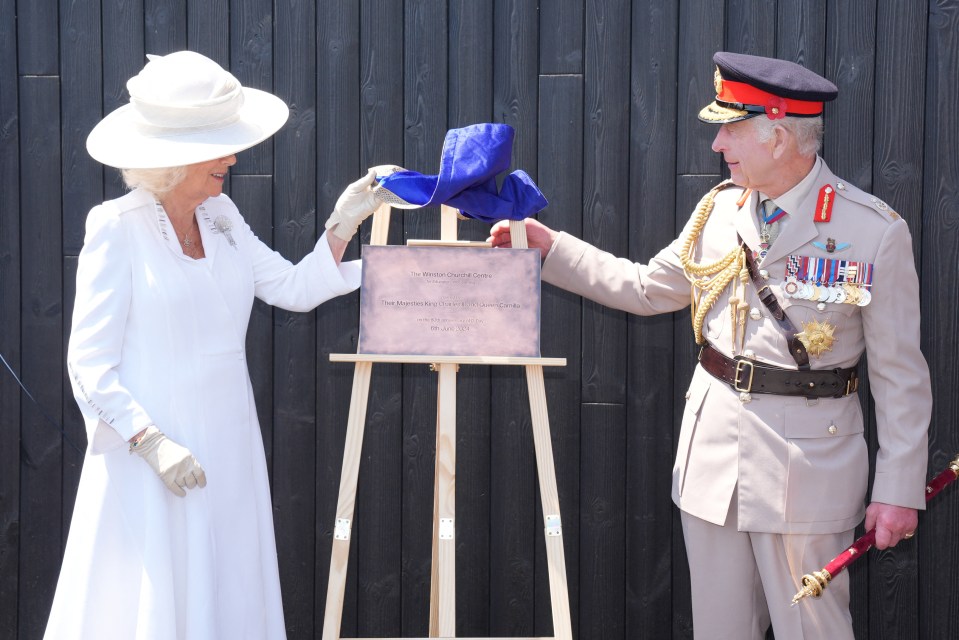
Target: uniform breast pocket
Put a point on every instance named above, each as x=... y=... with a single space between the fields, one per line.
x=800 y=311
x=828 y=461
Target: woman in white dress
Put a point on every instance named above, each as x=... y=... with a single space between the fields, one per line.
x=172 y=534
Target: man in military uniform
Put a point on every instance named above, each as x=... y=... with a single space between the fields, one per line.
x=795 y=274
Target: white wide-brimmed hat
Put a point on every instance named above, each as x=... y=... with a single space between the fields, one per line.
x=184 y=108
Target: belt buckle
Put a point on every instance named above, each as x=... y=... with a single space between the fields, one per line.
x=737 y=381
x=852 y=383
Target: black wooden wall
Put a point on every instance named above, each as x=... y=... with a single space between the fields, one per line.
x=603 y=95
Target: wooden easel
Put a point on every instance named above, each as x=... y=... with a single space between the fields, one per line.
x=443 y=577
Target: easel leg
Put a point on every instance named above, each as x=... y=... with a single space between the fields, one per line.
x=352 y=452
x=443 y=583
x=549 y=495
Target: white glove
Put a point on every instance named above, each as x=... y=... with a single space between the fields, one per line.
x=354 y=206
x=174 y=463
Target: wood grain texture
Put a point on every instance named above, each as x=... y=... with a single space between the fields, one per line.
x=37 y=37
x=605 y=189
x=42 y=364
x=561 y=47
x=81 y=102
x=471 y=101
x=10 y=325
x=653 y=218
x=938 y=544
x=602 y=523
x=603 y=96
x=294 y=342
x=561 y=180
x=251 y=61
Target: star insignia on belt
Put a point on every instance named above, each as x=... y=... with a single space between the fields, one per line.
x=817 y=337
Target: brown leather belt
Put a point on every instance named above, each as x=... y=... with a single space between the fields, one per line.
x=750 y=376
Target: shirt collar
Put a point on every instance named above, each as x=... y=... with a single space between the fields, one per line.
x=792 y=199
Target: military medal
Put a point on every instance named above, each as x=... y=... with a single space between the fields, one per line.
x=828 y=281
x=817 y=337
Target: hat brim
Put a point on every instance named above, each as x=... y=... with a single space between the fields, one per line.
x=715 y=113
x=117 y=141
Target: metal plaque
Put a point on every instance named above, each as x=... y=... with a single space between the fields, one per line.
x=450 y=301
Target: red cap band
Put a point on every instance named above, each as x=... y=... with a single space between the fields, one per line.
x=776 y=107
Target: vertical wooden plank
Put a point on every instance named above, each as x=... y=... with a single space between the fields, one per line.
x=251 y=61
x=294 y=355
x=801 y=33
x=515 y=518
x=10 y=327
x=938 y=544
x=561 y=23
x=82 y=97
x=42 y=367
x=337 y=144
x=897 y=171
x=471 y=101
x=606 y=179
x=164 y=26
x=425 y=91
x=208 y=29
x=37 y=38
x=602 y=523
x=123 y=57
x=701 y=26
x=653 y=387
x=603 y=366
x=561 y=180
x=750 y=28
x=850 y=65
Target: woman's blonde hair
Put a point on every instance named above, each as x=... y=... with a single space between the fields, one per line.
x=159 y=182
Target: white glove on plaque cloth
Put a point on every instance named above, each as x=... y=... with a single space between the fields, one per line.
x=357 y=203
x=174 y=463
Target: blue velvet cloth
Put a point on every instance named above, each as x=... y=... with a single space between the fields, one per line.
x=472 y=158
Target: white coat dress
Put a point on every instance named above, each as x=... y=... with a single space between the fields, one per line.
x=158 y=338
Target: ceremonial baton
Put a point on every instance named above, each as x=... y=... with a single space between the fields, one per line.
x=814 y=583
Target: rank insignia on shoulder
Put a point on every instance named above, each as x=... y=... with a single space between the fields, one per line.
x=831 y=246
x=824 y=204
x=885 y=208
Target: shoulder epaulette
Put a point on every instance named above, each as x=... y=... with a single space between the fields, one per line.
x=867 y=200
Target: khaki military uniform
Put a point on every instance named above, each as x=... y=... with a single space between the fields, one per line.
x=785 y=464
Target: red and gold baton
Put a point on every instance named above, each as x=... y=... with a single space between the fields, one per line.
x=814 y=583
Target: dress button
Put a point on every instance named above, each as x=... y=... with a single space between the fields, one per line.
x=749 y=353
x=687 y=395
x=833 y=430
x=755 y=313
x=764 y=274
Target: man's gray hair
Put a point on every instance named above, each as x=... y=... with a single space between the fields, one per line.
x=159 y=182
x=808 y=131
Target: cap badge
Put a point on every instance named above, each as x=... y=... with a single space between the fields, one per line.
x=718 y=81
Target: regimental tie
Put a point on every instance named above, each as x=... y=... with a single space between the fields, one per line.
x=769 y=227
